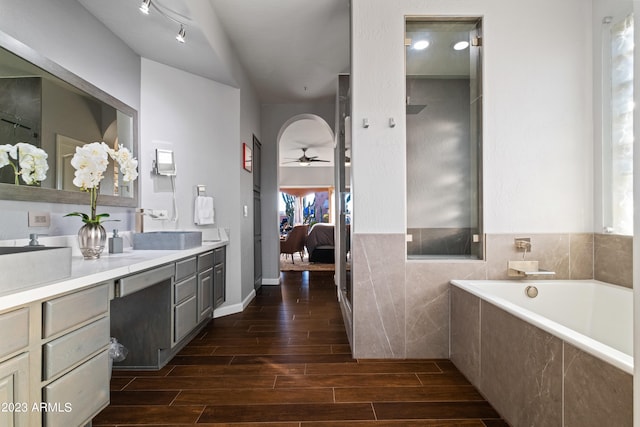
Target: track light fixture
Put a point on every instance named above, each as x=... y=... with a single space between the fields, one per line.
x=181 y=34
x=145 y=7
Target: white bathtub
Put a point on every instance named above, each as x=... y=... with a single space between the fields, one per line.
x=594 y=316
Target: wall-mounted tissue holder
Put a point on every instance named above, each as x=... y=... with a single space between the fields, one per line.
x=525 y=269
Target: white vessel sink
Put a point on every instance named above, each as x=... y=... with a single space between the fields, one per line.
x=26 y=266
x=167 y=240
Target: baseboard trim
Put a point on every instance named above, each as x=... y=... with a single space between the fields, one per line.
x=226 y=310
x=271 y=282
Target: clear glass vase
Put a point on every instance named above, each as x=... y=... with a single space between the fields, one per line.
x=91 y=240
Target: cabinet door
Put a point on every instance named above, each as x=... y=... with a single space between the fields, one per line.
x=186 y=318
x=218 y=284
x=205 y=294
x=14 y=392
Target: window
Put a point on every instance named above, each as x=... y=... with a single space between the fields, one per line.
x=618 y=139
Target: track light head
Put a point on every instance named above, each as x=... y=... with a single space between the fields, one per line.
x=181 y=34
x=144 y=7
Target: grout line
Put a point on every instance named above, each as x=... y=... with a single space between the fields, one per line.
x=201 y=412
x=175 y=397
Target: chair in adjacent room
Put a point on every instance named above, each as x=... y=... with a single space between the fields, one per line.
x=295 y=242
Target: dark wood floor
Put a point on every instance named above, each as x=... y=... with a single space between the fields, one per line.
x=286 y=362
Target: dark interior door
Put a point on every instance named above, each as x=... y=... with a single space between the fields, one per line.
x=257 y=215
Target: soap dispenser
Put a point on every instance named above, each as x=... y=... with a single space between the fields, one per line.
x=115 y=243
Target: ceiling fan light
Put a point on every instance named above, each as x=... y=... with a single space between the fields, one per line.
x=304 y=163
x=144 y=7
x=181 y=34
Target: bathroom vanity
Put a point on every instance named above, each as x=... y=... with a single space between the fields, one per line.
x=54 y=361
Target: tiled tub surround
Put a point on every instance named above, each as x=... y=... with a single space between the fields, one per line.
x=401 y=307
x=535 y=371
x=613 y=259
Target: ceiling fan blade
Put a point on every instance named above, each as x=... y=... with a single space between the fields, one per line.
x=319 y=160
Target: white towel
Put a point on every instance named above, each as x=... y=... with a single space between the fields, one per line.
x=203 y=212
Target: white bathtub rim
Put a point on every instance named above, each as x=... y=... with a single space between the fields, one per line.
x=589 y=345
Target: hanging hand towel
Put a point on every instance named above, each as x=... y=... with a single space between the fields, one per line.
x=203 y=212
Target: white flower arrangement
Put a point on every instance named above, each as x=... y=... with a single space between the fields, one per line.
x=91 y=161
x=28 y=162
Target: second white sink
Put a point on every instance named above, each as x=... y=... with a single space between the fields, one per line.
x=167 y=240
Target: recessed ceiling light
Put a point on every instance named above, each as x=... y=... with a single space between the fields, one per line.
x=461 y=45
x=421 y=44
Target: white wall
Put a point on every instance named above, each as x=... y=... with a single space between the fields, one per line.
x=306 y=176
x=82 y=45
x=209 y=22
x=199 y=120
x=538 y=161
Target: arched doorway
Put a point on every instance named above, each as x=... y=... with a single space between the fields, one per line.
x=306 y=182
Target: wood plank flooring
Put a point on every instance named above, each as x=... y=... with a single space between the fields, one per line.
x=286 y=362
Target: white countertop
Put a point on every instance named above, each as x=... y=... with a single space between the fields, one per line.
x=107 y=267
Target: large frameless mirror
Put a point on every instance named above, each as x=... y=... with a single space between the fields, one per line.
x=49 y=108
x=444 y=137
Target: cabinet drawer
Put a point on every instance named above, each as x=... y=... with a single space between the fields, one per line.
x=136 y=282
x=205 y=261
x=80 y=394
x=218 y=256
x=185 y=289
x=70 y=310
x=69 y=349
x=14 y=331
x=185 y=268
x=186 y=318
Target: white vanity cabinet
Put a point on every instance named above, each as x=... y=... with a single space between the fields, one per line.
x=54 y=339
x=219 y=274
x=54 y=366
x=14 y=368
x=185 y=293
x=205 y=286
x=75 y=361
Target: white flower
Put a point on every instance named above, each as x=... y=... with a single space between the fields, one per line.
x=33 y=163
x=128 y=164
x=90 y=162
x=4 y=154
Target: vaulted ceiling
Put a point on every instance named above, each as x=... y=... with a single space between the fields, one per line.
x=292 y=50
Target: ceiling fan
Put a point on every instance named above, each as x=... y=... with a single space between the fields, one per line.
x=305 y=160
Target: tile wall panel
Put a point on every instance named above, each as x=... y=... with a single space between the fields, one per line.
x=521 y=369
x=596 y=393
